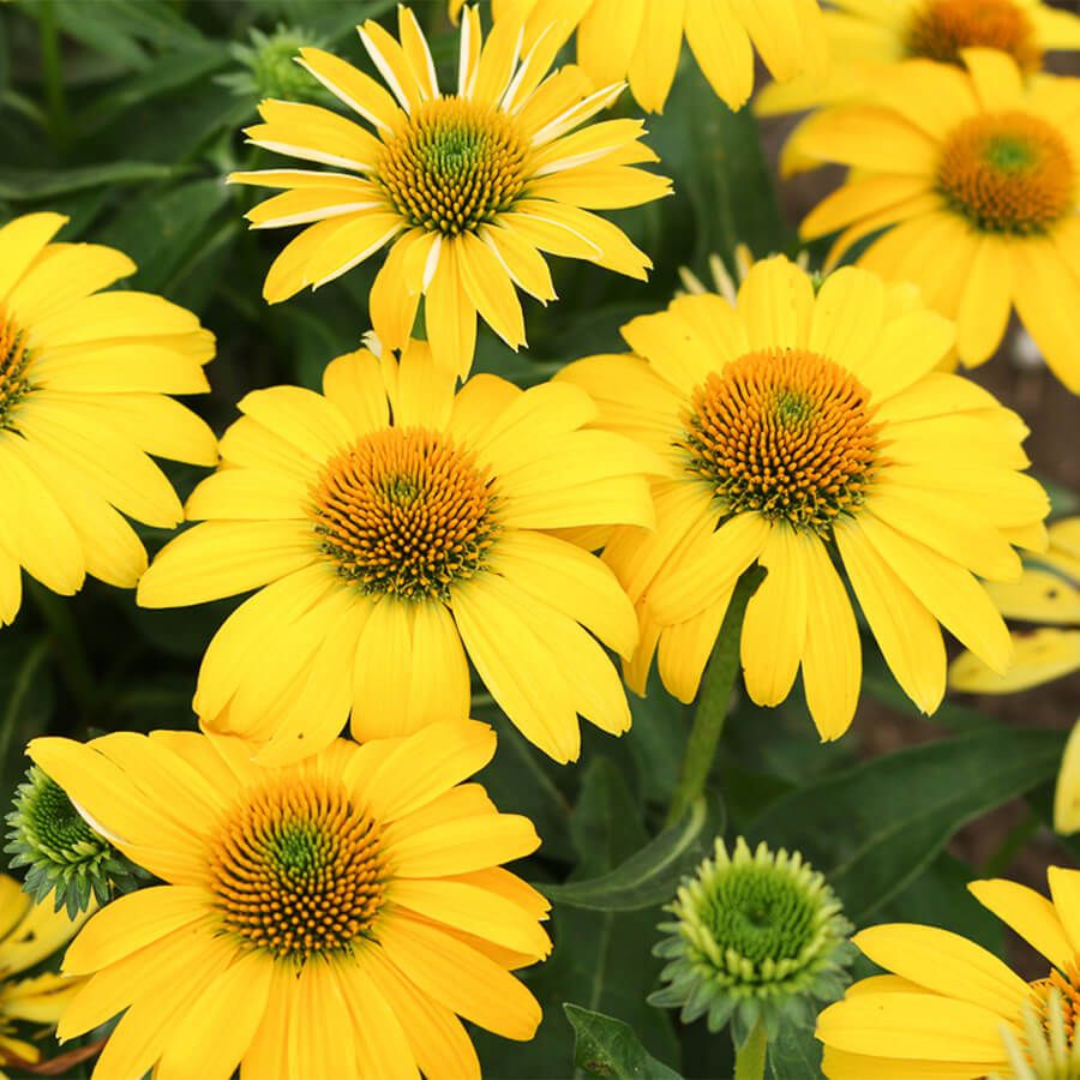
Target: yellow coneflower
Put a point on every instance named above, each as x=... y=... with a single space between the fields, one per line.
x=468 y=187
x=29 y=934
x=864 y=37
x=328 y=919
x=1047 y=594
x=797 y=430
x=640 y=40
x=950 y=1010
x=398 y=526
x=975 y=179
x=84 y=376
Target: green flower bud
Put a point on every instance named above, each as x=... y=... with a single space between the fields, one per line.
x=65 y=856
x=756 y=936
x=271 y=70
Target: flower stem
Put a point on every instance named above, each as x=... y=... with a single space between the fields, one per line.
x=715 y=694
x=750 y=1059
x=52 y=73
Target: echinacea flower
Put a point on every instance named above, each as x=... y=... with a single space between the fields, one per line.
x=29 y=934
x=397 y=526
x=950 y=1010
x=640 y=40
x=975 y=178
x=806 y=432
x=328 y=919
x=84 y=379
x=1047 y=594
x=865 y=37
x=756 y=935
x=468 y=187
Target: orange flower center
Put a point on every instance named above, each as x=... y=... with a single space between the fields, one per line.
x=405 y=512
x=941 y=28
x=296 y=870
x=14 y=361
x=453 y=165
x=1007 y=172
x=787 y=433
x=1068 y=1000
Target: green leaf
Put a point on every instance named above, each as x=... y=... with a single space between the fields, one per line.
x=873 y=828
x=651 y=875
x=605 y=1046
x=939 y=897
x=24 y=185
x=163 y=229
x=794 y=1053
x=170 y=72
x=120 y=28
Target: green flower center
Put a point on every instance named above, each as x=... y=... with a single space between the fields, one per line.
x=940 y=29
x=296 y=870
x=405 y=513
x=786 y=433
x=760 y=915
x=1007 y=173
x=56 y=827
x=453 y=165
x=14 y=362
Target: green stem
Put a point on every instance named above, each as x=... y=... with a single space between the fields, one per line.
x=71 y=658
x=750 y=1059
x=715 y=695
x=53 y=73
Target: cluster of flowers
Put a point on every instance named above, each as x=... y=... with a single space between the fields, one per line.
x=331 y=907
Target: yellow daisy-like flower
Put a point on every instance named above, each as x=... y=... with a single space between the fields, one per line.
x=83 y=382
x=29 y=933
x=396 y=526
x=864 y=37
x=328 y=919
x=951 y=1010
x=470 y=187
x=640 y=40
x=1047 y=593
x=798 y=429
x=976 y=180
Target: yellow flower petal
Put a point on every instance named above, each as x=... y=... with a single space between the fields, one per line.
x=1030 y=914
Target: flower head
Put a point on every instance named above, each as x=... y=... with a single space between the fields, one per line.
x=641 y=42
x=468 y=187
x=950 y=1008
x=29 y=934
x=798 y=429
x=330 y=918
x=756 y=935
x=975 y=179
x=84 y=376
x=864 y=39
x=396 y=526
x=65 y=856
